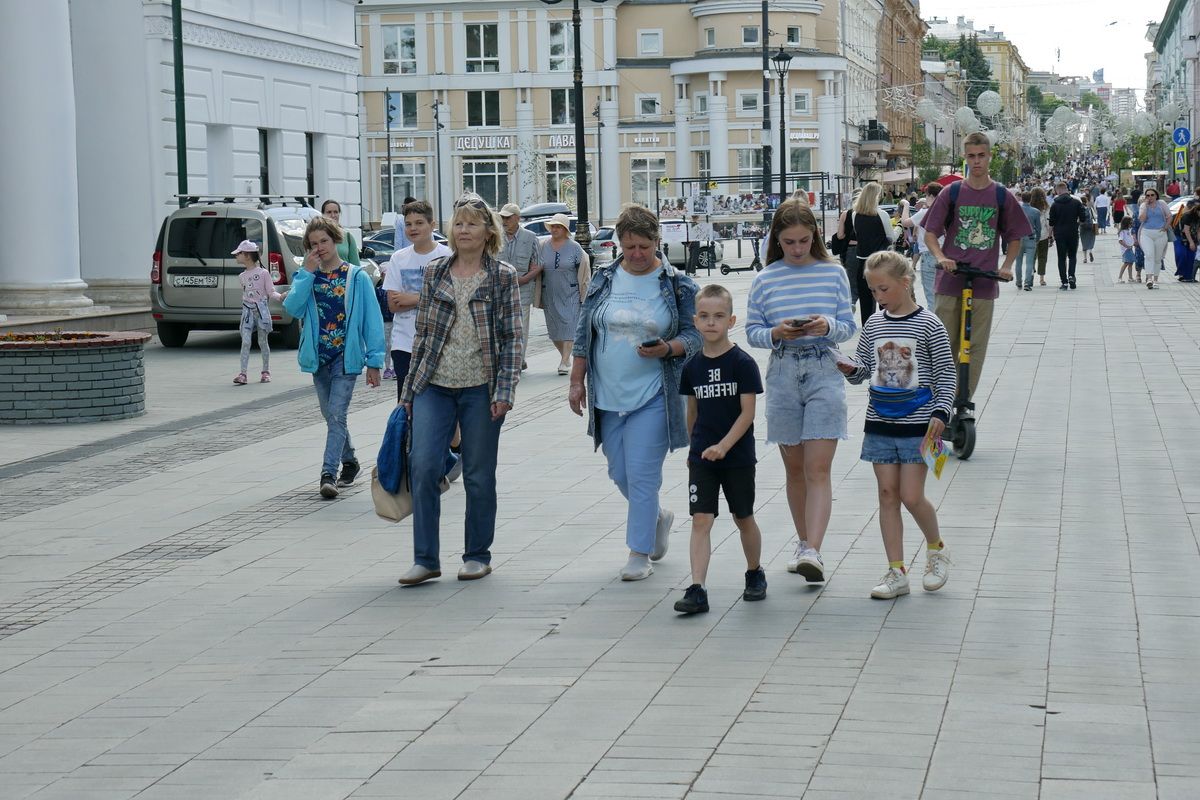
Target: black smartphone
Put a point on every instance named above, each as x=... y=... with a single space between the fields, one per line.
x=652 y=343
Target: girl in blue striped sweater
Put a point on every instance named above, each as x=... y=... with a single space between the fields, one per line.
x=904 y=352
x=800 y=308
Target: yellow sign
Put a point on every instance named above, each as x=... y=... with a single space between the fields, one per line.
x=664 y=180
x=1181 y=161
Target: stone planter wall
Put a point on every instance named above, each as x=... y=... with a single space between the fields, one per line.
x=93 y=377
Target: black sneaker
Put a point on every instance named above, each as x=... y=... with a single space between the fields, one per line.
x=695 y=600
x=328 y=486
x=756 y=585
x=350 y=470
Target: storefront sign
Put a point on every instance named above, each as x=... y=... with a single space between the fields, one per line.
x=646 y=140
x=560 y=140
x=804 y=136
x=483 y=142
x=402 y=144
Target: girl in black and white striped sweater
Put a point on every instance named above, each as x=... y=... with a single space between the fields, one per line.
x=904 y=352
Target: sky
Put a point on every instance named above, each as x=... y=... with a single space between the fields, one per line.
x=1080 y=29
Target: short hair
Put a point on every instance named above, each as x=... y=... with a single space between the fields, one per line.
x=418 y=207
x=471 y=210
x=323 y=224
x=1060 y=185
x=409 y=199
x=977 y=138
x=1025 y=197
x=933 y=189
x=717 y=292
x=326 y=205
x=638 y=221
x=793 y=212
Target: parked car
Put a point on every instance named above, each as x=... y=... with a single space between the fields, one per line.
x=540 y=210
x=604 y=245
x=194 y=278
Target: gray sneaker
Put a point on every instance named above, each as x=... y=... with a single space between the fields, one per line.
x=811 y=567
x=637 y=568
x=662 y=533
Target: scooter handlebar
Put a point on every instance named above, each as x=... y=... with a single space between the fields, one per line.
x=968 y=271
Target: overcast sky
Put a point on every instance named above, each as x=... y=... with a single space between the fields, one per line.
x=1080 y=29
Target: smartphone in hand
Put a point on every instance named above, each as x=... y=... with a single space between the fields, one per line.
x=652 y=343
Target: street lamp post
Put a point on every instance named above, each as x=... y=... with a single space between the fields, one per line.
x=781 y=61
x=599 y=169
x=766 y=124
x=437 y=137
x=583 y=234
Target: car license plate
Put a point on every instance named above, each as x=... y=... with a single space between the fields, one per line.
x=206 y=281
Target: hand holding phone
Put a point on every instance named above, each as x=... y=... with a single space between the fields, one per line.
x=651 y=343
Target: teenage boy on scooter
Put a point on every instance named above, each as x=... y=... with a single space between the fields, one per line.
x=974 y=215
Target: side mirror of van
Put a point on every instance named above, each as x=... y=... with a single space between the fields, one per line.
x=366 y=252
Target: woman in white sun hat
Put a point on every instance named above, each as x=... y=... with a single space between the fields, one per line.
x=565 y=273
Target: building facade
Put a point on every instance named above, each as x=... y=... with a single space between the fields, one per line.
x=271 y=108
x=672 y=90
x=901 y=33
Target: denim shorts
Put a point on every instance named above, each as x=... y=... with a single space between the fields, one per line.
x=880 y=449
x=806 y=396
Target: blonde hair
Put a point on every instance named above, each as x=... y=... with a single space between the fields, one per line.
x=895 y=266
x=323 y=224
x=868 y=199
x=485 y=215
x=793 y=212
x=976 y=138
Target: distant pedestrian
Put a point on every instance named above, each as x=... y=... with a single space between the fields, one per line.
x=799 y=309
x=1155 y=217
x=720 y=383
x=871 y=229
x=1087 y=228
x=520 y=251
x=565 y=273
x=1102 y=203
x=257 y=289
x=1066 y=219
x=911 y=396
x=341 y=333
x=1128 y=247
x=347 y=248
x=1189 y=235
x=1037 y=199
x=1118 y=208
x=1028 y=255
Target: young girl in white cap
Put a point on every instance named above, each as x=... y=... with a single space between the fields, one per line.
x=257 y=289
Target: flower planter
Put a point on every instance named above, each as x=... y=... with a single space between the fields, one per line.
x=68 y=376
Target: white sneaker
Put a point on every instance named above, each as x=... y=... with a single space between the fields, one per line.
x=794 y=561
x=811 y=567
x=893 y=584
x=564 y=368
x=937 y=569
x=662 y=533
x=637 y=568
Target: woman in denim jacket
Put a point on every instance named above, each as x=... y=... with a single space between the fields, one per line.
x=635 y=333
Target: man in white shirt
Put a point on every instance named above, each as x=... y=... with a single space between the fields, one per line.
x=405 y=274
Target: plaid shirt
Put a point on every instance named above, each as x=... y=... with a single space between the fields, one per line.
x=496 y=308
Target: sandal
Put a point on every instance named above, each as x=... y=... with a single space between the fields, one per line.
x=240 y=379
x=265 y=378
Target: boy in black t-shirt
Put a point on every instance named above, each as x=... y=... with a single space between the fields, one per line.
x=721 y=382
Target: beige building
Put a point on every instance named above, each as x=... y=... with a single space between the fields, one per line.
x=671 y=90
x=900 y=36
x=1008 y=70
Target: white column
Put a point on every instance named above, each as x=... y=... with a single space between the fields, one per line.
x=615 y=183
x=449 y=176
x=113 y=149
x=37 y=160
x=683 y=136
x=528 y=190
x=829 y=124
x=718 y=140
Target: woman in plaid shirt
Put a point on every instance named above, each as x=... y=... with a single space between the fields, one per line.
x=466 y=362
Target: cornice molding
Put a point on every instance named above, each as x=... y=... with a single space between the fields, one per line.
x=256 y=47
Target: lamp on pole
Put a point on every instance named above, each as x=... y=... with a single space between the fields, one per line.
x=599 y=169
x=583 y=233
x=781 y=61
x=437 y=137
x=766 y=126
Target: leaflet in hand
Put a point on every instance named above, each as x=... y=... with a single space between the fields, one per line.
x=935 y=453
x=842 y=358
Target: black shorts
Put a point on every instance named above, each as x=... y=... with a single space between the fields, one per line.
x=706 y=479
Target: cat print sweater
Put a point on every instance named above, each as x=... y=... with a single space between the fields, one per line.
x=906 y=353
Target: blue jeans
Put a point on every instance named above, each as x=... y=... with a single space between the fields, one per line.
x=334 y=390
x=436 y=411
x=928 y=273
x=1025 y=261
x=635 y=444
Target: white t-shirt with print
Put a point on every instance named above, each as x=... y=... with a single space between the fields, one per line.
x=406 y=273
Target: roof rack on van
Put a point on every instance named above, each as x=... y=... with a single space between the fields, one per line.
x=263 y=200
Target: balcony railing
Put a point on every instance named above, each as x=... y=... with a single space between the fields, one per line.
x=874 y=132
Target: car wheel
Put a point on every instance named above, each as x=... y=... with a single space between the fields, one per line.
x=172 y=334
x=289 y=336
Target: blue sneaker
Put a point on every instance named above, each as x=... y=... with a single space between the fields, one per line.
x=756 y=585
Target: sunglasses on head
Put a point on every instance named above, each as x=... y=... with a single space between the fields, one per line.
x=472 y=200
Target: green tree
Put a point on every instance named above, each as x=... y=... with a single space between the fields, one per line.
x=976 y=67
x=945 y=49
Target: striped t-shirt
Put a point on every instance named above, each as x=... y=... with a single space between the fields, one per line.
x=782 y=292
x=906 y=353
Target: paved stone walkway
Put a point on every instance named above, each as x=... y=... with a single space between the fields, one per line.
x=180 y=617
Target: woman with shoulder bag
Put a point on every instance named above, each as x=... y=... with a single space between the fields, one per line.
x=1087 y=228
x=871 y=228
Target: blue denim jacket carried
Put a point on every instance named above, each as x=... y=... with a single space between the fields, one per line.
x=679 y=291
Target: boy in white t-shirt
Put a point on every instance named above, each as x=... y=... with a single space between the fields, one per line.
x=405 y=274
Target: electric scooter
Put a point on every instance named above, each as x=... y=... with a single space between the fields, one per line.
x=962 y=423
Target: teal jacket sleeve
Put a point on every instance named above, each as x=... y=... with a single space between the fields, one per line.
x=370 y=321
x=296 y=301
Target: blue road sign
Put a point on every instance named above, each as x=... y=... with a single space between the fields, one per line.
x=1182 y=137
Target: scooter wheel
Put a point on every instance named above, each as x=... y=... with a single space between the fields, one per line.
x=963 y=440
x=724 y=269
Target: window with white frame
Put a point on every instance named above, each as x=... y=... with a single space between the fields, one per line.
x=562 y=106
x=486 y=177
x=483 y=47
x=793 y=35
x=408 y=180
x=747 y=103
x=402 y=109
x=700 y=103
x=710 y=37
x=801 y=159
x=750 y=34
x=650 y=42
x=561 y=180
x=703 y=163
x=561 y=44
x=645 y=171
x=802 y=101
x=647 y=106
x=749 y=170
x=483 y=108
x=399 y=49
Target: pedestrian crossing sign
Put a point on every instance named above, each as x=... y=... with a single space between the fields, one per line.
x=1181 y=161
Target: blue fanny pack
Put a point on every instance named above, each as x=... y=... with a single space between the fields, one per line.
x=898 y=403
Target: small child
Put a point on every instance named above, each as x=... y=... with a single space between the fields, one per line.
x=1128 y=250
x=257 y=289
x=720 y=382
x=905 y=352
